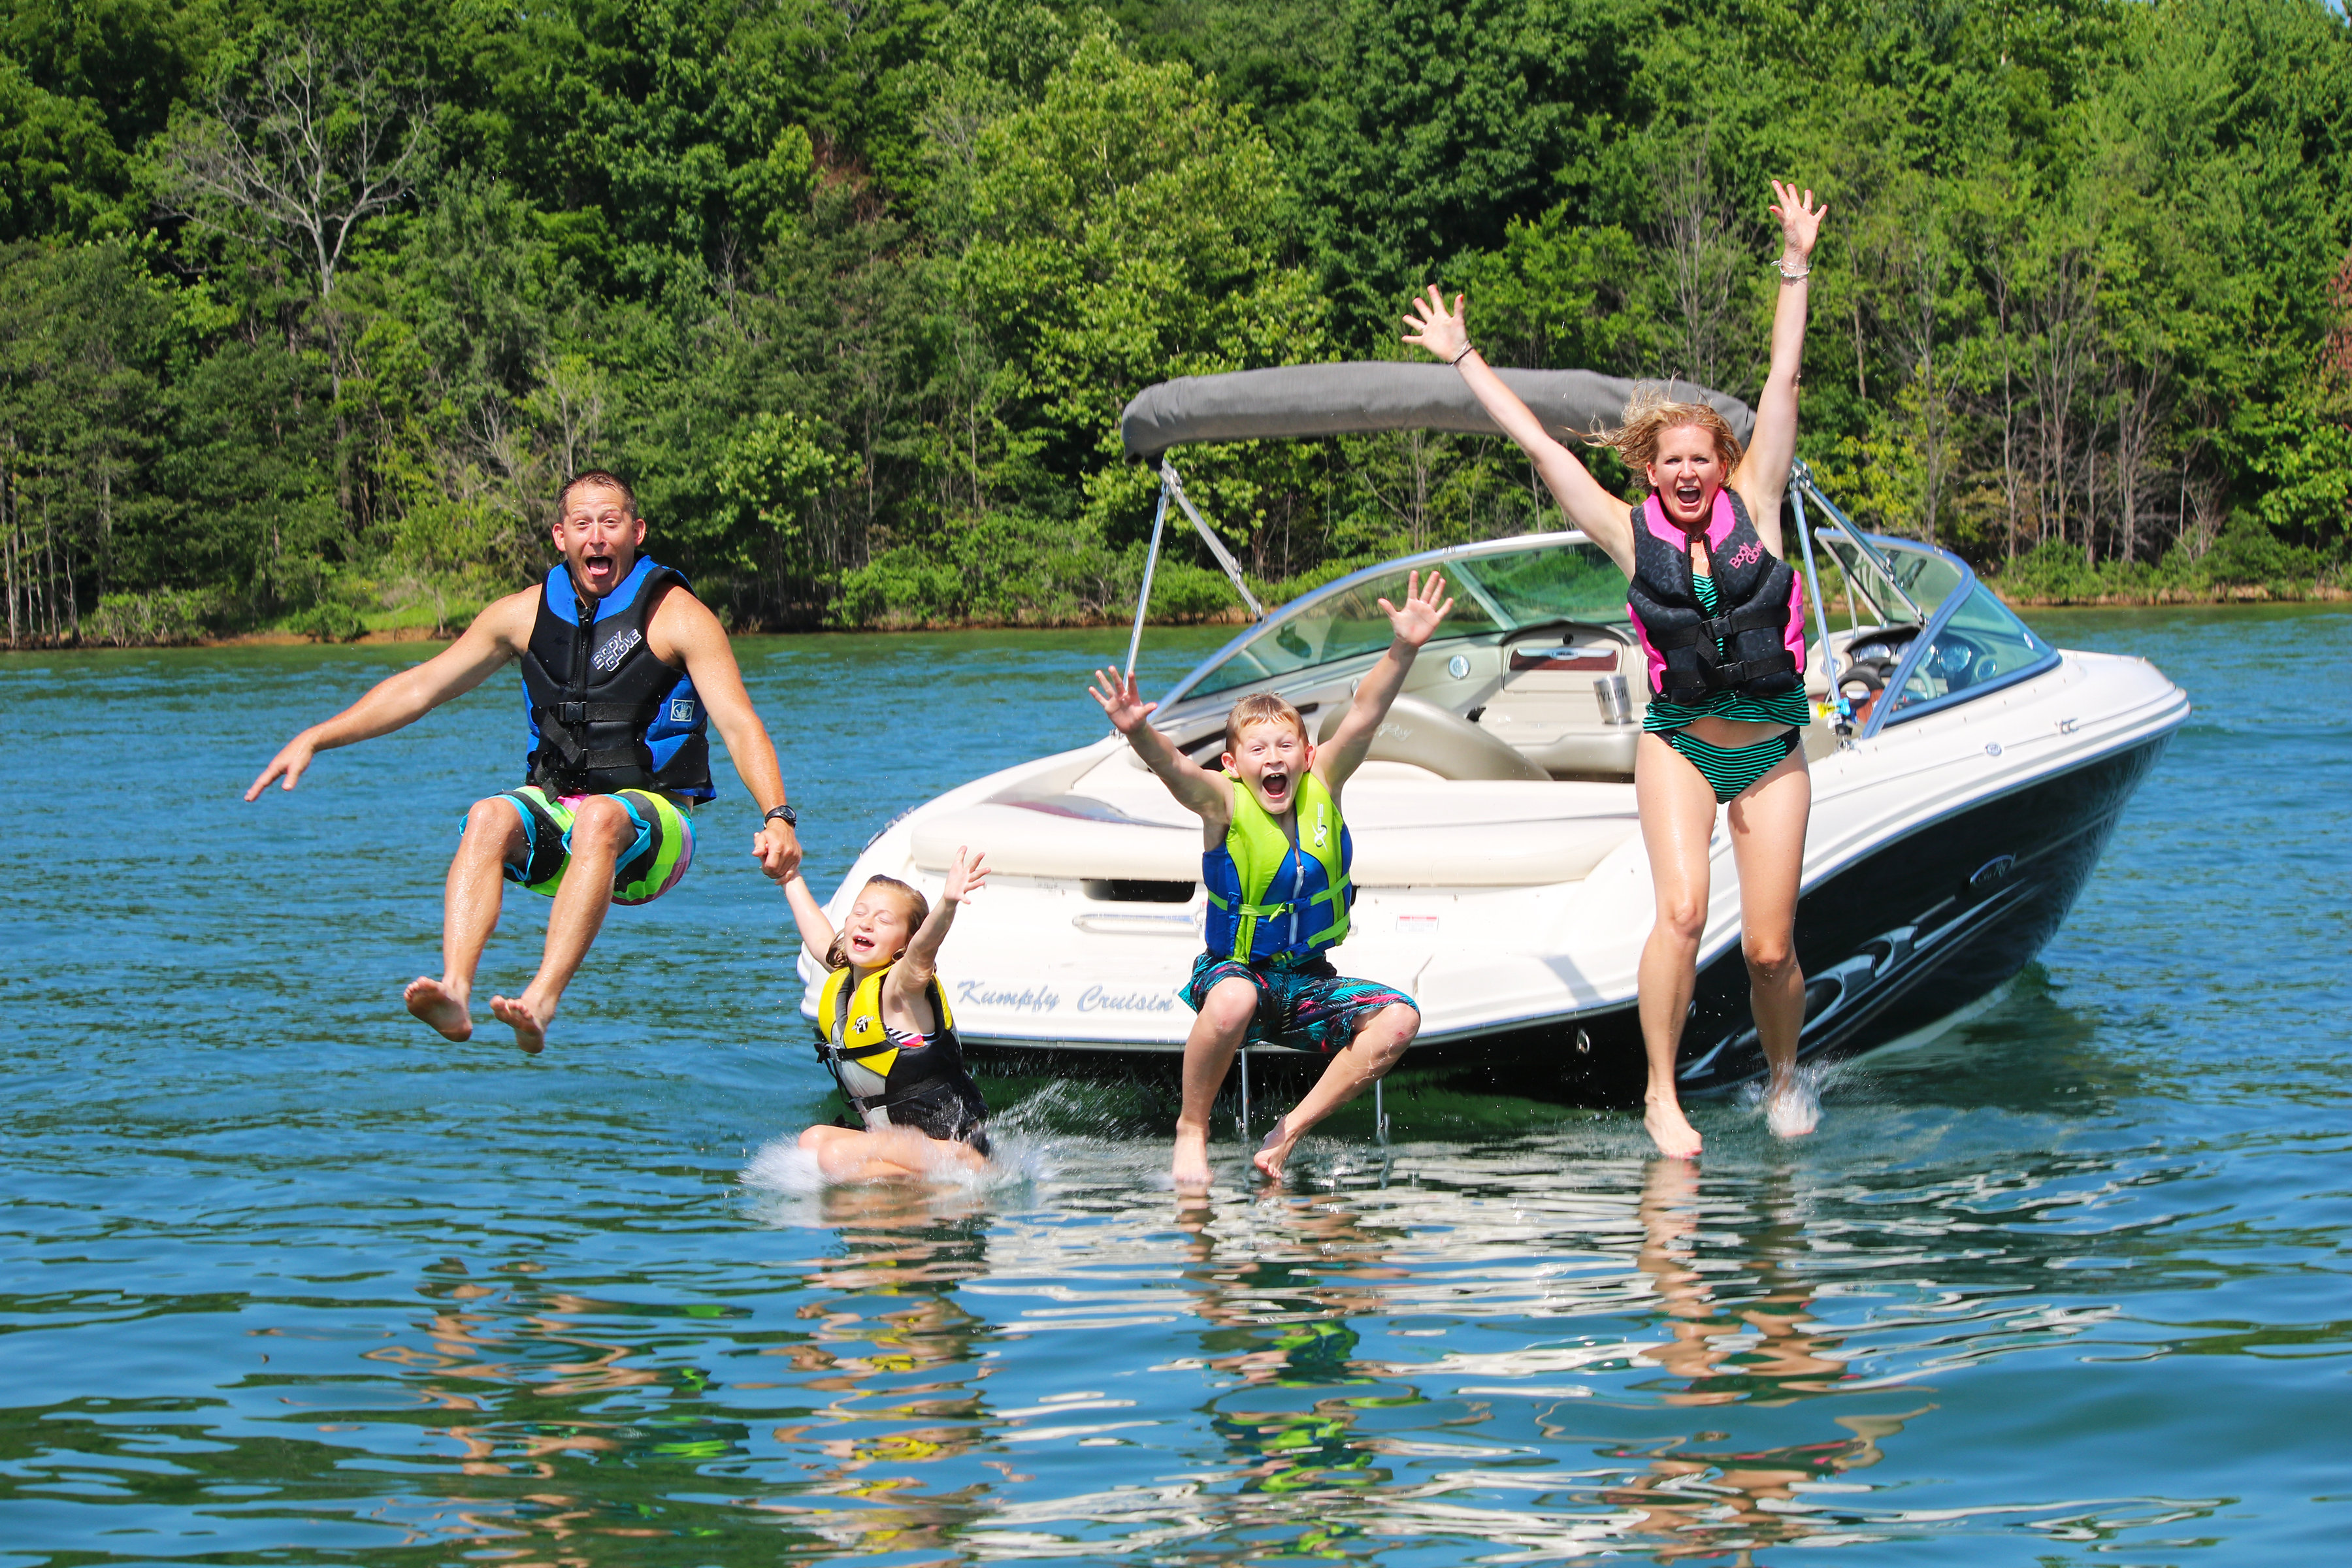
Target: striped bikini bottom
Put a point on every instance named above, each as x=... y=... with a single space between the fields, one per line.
x=1731 y=769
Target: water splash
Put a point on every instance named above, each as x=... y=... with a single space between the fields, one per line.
x=1027 y=1150
x=1798 y=1113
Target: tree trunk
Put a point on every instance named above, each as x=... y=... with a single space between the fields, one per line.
x=8 y=543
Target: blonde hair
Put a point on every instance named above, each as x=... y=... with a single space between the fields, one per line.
x=918 y=910
x=1649 y=415
x=1261 y=707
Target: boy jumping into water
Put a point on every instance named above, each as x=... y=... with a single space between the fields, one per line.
x=1275 y=857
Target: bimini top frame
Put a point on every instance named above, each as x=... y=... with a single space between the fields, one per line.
x=1304 y=401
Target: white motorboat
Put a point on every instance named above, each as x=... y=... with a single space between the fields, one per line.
x=1966 y=776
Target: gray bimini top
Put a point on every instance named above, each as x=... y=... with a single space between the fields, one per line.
x=1306 y=400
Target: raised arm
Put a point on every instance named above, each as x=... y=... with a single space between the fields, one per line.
x=685 y=629
x=1208 y=796
x=1588 y=506
x=497 y=635
x=903 y=990
x=808 y=915
x=1763 y=471
x=1413 y=624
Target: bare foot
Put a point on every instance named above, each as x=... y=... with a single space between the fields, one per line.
x=531 y=1029
x=1792 y=1109
x=1191 y=1167
x=1676 y=1138
x=1276 y=1150
x=433 y=1001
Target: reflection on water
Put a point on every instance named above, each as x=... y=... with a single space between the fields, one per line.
x=284 y=1282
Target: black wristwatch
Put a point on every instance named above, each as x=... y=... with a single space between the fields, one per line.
x=784 y=814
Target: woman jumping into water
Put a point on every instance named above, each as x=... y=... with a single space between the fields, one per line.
x=1719 y=615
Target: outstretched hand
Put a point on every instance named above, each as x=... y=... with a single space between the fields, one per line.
x=290 y=761
x=1120 y=700
x=1800 y=220
x=1443 y=332
x=965 y=877
x=1415 y=621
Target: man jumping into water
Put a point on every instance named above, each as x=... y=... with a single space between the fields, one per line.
x=619 y=754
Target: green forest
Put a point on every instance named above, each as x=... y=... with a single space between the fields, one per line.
x=307 y=309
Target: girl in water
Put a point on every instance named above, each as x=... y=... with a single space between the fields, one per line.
x=885 y=1031
x=1718 y=615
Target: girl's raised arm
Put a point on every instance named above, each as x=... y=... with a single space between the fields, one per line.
x=920 y=962
x=816 y=932
x=1763 y=471
x=1604 y=516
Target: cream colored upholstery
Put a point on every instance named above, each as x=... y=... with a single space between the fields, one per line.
x=1073 y=836
x=1445 y=744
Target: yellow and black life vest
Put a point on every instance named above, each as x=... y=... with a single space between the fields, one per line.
x=1251 y=919
x=849 y=1029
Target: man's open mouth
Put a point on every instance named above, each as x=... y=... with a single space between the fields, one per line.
x=596 y=566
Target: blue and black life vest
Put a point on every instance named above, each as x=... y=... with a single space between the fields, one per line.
x=1269 y=898
x=606 y=713
x=1754 y=641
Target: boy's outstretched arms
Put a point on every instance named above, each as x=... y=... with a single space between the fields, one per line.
x=1414 y=622
x=1206 y=794
x=921 y=960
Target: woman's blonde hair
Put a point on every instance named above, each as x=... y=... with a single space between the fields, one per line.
x=918 y=910
x=1649 y=415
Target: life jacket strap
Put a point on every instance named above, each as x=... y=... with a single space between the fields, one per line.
x=856 y=1053
x=1259 y=911
x=571 y=715
x=1720 y=628
x=1728 y=675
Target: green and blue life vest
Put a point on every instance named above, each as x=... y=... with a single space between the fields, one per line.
x=1269 y=898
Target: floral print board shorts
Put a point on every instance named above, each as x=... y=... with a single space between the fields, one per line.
x=1306 y=1005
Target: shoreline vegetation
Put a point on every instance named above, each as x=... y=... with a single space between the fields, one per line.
x=2089 y=592
x=307 y=309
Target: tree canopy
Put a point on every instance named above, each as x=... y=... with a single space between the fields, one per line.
x=307 y=308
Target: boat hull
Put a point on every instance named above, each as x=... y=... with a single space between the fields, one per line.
x=1892 y=944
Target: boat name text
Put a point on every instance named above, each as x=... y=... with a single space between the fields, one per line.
x=1095 y=999
x=1028 y=999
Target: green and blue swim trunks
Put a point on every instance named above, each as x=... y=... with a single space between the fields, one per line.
x=1302 y=1002
x=651 y=865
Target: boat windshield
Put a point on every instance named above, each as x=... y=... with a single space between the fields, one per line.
x=1498 y=591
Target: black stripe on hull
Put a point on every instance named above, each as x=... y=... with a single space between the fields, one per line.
x=1902 y=939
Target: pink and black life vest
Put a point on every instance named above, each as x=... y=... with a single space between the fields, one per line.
x=1754 y=641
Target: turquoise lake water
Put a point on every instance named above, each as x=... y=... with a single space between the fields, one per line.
x=287 y=1280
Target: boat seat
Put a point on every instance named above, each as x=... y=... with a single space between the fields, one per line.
x=1421 y=732
x=1596 y=752
x=1074 y=837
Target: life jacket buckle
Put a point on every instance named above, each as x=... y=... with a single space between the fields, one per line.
x=571 y=715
